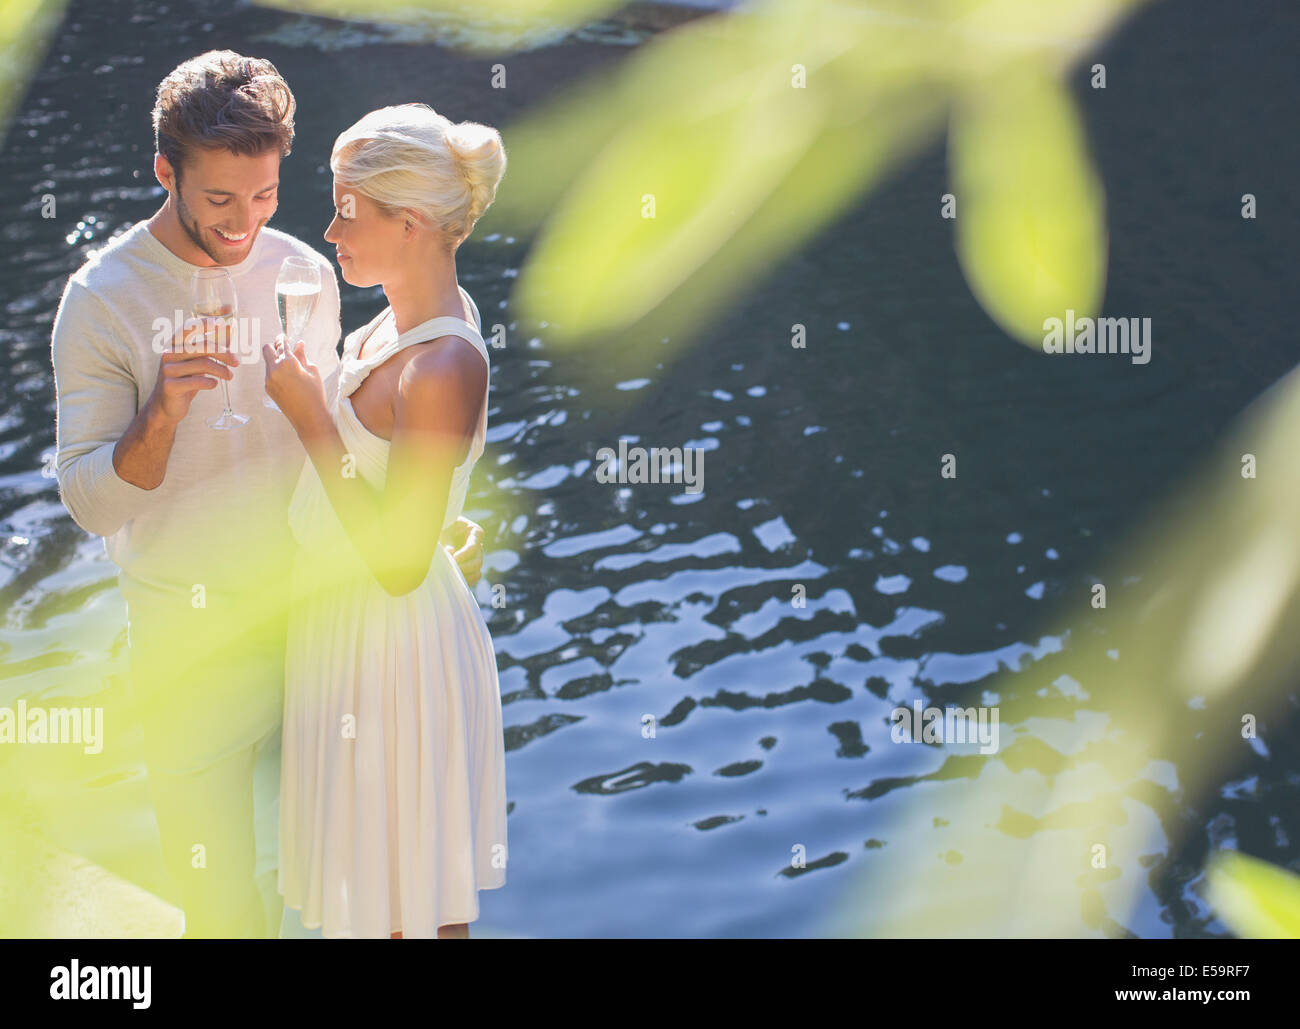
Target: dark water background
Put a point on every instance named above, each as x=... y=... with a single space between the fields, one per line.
x=822 y=469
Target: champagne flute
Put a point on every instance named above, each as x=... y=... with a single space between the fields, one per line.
x=297 y=289
x=212 y=295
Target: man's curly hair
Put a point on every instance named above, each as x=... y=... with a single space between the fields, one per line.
x=223 y=100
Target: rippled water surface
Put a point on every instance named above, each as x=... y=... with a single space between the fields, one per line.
x=821 y=471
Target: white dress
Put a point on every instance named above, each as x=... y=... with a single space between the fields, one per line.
x=392 y=791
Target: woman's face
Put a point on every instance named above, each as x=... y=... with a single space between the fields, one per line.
x=367 y=240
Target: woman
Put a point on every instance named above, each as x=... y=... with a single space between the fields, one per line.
x=392 y=804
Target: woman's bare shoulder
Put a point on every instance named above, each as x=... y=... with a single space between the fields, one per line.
x=449 y=360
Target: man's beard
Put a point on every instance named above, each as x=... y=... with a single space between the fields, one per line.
x=191 y=227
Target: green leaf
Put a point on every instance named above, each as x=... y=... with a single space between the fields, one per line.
x=727 y=143
x=517 y=14
x=25 y=29
x=1256 y=899
x=1030 y=226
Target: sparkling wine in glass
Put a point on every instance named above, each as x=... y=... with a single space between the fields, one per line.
x=212 y=295
x=297 y=289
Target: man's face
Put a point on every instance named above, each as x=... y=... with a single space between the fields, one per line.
x=223 y=199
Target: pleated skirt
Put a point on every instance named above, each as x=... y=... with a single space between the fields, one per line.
x=392 y=791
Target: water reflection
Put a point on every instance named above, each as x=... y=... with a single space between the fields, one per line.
x=695 y=686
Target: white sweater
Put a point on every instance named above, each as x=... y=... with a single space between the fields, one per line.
x=218 y=520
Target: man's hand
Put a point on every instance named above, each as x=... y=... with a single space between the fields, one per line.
x=181 y=375
x=140 y=456
x=464 y=541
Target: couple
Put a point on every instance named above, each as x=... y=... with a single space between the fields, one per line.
x=313 y=602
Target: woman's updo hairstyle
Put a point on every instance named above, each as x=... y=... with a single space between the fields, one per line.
x=410 y=156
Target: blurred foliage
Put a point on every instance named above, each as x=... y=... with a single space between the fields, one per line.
x=1201 y=620
x=560 y=14
x=1031 y=233
x=753 y=129
x=47 y=892
x=57 y=800
x=25 y=30
x=746 y=161
x=1257 y=899
x=663 y=189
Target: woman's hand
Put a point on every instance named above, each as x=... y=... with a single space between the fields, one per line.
x=295 y=384
x=463 y=539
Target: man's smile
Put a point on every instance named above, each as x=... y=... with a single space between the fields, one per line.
x=229 y=237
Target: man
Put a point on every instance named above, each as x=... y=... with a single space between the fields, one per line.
x=196 y=517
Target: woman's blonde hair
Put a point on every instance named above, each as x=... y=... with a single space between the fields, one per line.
x=412 y=157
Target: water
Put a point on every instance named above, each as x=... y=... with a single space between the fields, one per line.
x=821 y=472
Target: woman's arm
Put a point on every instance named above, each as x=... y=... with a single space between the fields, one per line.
x=436 y=411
